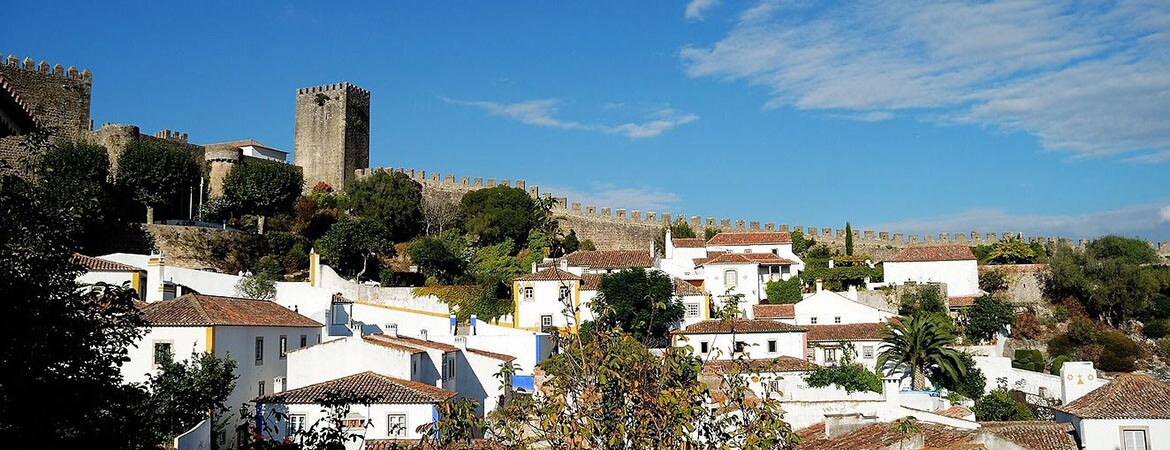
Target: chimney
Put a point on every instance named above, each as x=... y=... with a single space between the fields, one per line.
x=461 y=342
x=474 y=324
x=667 y=246
x=852 y=293
x=534 y=267
x=842 y=424
x=892 y=391
x=422 y=334
x=454 y=324
x=564 y=264
x=154 y=279
x=390 y=329
x=830 y=263
x=1077 y=378
x=820 y=285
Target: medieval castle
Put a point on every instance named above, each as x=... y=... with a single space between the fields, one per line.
x=332 y=144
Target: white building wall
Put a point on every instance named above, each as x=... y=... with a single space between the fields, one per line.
x=857 y=347
x=1102 y=434
x=184 y=341
x=722 y=346
x=747 y=283
x=961 y=277
x=114 y=278
x=344 y=357
x=827 y=306
x=239 y=343
x=545 y=302
x=781 y=250
x=376 y=414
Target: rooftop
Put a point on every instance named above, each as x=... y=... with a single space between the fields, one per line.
x=739 y=326
x=549 y=274
x=103 y=265
x=688 y=242
x=243 y=143
x=1035 y=434
x=764 y=365
x=610 y=259
x=922 y=253
x=747 y=258
x=774 y=311
x=750 y=238
x=388 y=390
x=1130 y=396
x=197 y=310
x=879 y=436
x=846 y=332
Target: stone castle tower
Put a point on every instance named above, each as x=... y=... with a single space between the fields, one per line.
x=332 y=137
x=59 y=99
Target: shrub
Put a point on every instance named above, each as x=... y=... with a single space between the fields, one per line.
x=1156 y=329
x=782 y=292
x=1026 y=326
x=1057 y=363
x=1029 y=359
x=852 y=377
x=999 y=405
x=1122 y=352
x=401 y=279
x=1163 y=347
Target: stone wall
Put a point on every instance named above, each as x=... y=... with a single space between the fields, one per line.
x=332 y=133
x=59 y=99
x=191 y=247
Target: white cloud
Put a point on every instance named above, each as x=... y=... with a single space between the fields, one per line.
x=608 y=195
x=543 y=112
x=696 y=8
x=1150 y=221
x=1089 y=80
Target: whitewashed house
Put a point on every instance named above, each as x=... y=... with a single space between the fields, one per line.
x=1131 y=412
x=257 y=334
x=401 y=406
x=605 y=261
x=952 y=265
x=776 y=377
x=753 y=339
x=98 y=270
x=732 y=263
x=826 y=307
x=549 y=298
x=828 y=345
x=679 y=256
x=695 y=302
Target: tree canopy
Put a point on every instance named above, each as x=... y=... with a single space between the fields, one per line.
x=986 y=317
x=638 y=301
x=157 y=172
x=392 y=199
x=494 y=214
x=1110 y=278
x=916 y=344
x=262 y=188
x=184 y=392
x=351 y=245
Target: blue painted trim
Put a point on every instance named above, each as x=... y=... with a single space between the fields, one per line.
x=435 y=419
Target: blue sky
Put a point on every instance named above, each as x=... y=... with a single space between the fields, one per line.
x=1041 y=117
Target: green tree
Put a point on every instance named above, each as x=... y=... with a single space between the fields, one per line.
x=263 y=188
x=571 y=243
x=987 y=316
x=921 y=299
x=72 y=340
x=158 y=173
x=261 y=284
x=352 y=244
x=993 y=281
x=678 y=229
x=588 y=245
x=850 y=376
x=392 y=199
x=783 y=291
x=1011 y=251
x=998 y=406
x=709 y=233
x=917 y=344
x=494 y=214
x=801 y=243
x=456 y=427
x=1110 y=279
x=640 y=302
x=441 y=257
x=848 y=239
x=185 y=393
x=1126 y=250
x=970 y=386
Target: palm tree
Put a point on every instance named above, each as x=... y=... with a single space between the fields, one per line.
x=918 y=343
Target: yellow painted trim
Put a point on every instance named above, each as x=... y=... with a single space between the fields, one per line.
x=515 y=303
x=577 y=308
x=314 y=260
x=706 y=307
x=210 y=345
x=136 y=283
x=398 y=308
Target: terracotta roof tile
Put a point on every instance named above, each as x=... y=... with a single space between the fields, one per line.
x=388 y=390
x=774 y=311
x=492 y=355
x=415 y=444
x=957 y=412
x=415 y=342
x=590 y=281
x=1035 y=434
x=1130 y=396
x=376 y=339
x=19 y=110
x=846 y=332
x=683 y=288
x=740 y=326
x=242 y=143
x=103 y=265
x=610 y=259
x=957 y=252
x=763 y=365
x=209 y=310
x=688 y=242
x=960 y=302
x=747 y=258
x=879 y=436
x=549 y=274
x=750 y=238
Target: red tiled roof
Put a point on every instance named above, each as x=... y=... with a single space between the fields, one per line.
x=879 y=436
x=683 y=288
x=388 y=390
x=688 y=242
x=103 y=265
x=957 y=252
x=1130 y=396
x=957 y=412
x=747 y=258
x=846 y=332
x=549 y=274
x=774 y=311
x=20 y=111
x=1035 y=434
x=493 y=355
x=415 y=444
x=373 y=339
x=590 y=281
x=193 y=310
x=241 y=143
x=610 y=259
x=961 y=302
x=750 y=238
x=710 y=255
x=740 y=326
x=763 y=365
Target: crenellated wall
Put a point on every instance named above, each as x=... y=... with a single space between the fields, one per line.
x=58 y=97
x=619 y=228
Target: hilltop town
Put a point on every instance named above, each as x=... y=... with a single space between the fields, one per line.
x=317 y=301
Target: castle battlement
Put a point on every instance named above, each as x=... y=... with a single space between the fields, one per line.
x=343 y=86
x=43 y=67
x=456 y=184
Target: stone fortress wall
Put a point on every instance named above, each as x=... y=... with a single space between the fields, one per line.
x=617 y=228
x=58 y=97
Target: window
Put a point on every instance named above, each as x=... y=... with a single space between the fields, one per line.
x=867 y=352
x=1134 y=439
x=730 y=278
x=414 y=367
x=283 y=346
x=564 y=293
x=830 y=355
x=396 y=425
x=776 y=251
x=774 y=386
x=771 y=346
x=546 y=321
x=353 y=420
x=528 y=296
x=740 y=346
x=747 y=250
x=296 y=423
x=704 y=347
x=260 y=388
x=259 y=349
x=304 y=341
x=448 y=367
x=693 y=310
x=812 y=321
x=810 y=354
x=837 y=319
x=163 y=352
x=318 y=338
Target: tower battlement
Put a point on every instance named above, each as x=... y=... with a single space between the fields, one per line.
x=332 y=139
x=59 y=97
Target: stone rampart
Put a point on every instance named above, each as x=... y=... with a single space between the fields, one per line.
x=58 y=97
